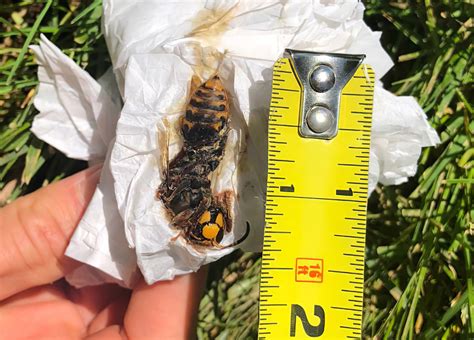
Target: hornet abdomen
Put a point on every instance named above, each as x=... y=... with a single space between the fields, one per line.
x=207 y=114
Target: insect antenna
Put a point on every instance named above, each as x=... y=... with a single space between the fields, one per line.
x=239 y=241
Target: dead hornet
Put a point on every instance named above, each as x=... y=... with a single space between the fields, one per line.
x=186 y=189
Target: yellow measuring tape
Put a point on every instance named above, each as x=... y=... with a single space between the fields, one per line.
x=312 y=273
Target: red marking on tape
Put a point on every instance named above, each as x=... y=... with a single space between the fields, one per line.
x=309 y=270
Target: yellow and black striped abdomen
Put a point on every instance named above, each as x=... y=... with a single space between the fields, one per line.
x=207 y=113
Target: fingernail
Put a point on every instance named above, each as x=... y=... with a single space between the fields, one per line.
x=95 y=167
x=85 y=182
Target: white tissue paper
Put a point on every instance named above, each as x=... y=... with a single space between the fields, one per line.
x=156 y=47
x=78 y=116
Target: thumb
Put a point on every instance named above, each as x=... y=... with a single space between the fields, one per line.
x=35 y=230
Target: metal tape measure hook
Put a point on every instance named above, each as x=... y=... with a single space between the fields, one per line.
x=322 y=76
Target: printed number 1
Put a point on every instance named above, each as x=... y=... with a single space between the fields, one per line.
x=310 y=330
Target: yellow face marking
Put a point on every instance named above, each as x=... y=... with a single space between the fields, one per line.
x=220 y=220
x=210 y=231
x=205 y=217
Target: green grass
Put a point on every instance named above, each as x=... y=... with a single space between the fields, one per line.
x=419 y=270
x=25 y=162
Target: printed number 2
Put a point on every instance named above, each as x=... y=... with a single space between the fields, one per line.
x=310 y=330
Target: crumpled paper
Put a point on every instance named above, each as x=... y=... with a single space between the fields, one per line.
x=78 y=115
x=156 y=47
x=398 y=130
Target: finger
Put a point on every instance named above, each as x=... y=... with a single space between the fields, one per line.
x=165 y=310
x=113 y=314
x=46 y=318
x=89 y=301
x=34 y=295
x=36 y=229
x=109 y=333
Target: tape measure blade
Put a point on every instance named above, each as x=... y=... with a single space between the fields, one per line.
x=313 y=255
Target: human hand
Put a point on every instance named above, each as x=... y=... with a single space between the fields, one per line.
x=35 y=231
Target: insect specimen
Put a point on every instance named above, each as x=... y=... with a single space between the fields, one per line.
x=186 y=189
